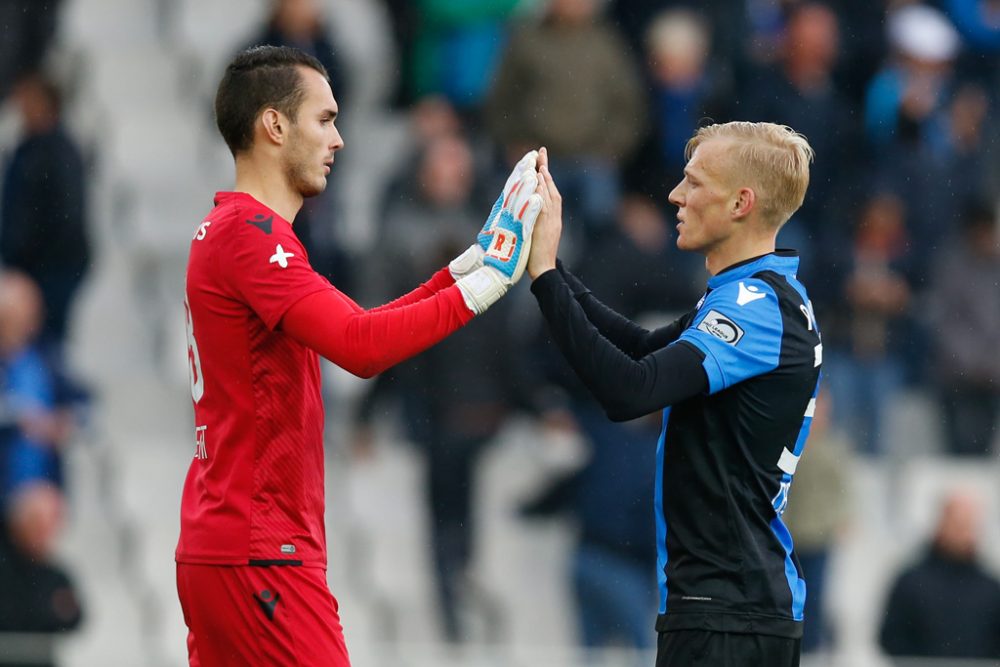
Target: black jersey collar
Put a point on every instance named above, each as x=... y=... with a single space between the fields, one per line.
x=785 y=262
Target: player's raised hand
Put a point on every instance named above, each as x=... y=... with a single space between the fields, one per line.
x=548 y=229
x=510 y=242
x=472 y=259
x=507 y=255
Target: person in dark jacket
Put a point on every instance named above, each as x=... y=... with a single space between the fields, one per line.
x=43 y=228
x=947 y=605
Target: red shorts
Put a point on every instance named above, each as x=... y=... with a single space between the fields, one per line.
x=245 y=615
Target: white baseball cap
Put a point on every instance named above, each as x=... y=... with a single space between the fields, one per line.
x=923 y=33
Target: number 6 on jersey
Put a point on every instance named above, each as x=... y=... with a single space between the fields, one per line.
x=194 y=360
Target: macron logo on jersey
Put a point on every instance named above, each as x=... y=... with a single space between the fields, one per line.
x=280 y=257
x=748 y=294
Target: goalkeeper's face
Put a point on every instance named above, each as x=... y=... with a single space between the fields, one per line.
x=313 y=137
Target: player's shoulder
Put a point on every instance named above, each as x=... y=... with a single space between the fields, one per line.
x=240 y=218
x=751 y=294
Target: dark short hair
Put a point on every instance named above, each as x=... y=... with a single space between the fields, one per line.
x=258 y=78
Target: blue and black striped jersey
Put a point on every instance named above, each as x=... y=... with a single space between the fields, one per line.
x=726 y=458
x=736 y=378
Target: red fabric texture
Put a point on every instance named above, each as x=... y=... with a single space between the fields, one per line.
x=366 y=343
x=257 y=313
x=248 y=616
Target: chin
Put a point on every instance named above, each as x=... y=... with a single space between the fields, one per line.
x=312 y=189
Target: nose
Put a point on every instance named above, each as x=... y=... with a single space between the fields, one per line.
x=675 y=196
x=337 y=142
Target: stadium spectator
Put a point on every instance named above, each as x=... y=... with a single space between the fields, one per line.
x=429 y=221
x=684 y=88
x=979 y=26
x=642 y=273
x=867 y=331
x=729 y=23
x=584 y=103
x=962 y=309
x=816 y=517
x=614 y=557
x=39 y=596
x=735 y=416
x=906 y=96
x=454 y=51
x=28 y=28
x=935 y=177
x=34 y=428
x=946 y=605
x=799 y=91
x=43 y=228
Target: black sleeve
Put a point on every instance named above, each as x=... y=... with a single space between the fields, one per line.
x=625 y=387
x=629 y=337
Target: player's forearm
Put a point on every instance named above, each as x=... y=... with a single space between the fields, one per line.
x=439 y=281
x=626 y=388
x=366 y=343
x=627 y=336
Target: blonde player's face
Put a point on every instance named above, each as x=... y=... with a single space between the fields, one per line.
x=313 y=138
x=704 y=198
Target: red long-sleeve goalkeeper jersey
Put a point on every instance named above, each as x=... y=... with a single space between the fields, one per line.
x=254 y=493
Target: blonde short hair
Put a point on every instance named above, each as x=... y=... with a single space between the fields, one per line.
x=772 y=159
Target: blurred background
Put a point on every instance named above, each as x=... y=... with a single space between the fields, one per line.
x=481 y=510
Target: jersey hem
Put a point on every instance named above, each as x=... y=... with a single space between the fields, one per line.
x=748 y=624
x=229 y=562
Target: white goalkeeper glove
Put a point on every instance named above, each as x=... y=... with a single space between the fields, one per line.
x=510 y=243
x=472 y=259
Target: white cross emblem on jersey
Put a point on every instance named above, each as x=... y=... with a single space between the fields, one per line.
x=281 y=257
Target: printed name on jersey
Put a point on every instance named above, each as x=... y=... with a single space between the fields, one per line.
x=261 y=222
x=280 y=257
x=748 y=294
x=200 y=450
x=202 y=231
x=720 y=326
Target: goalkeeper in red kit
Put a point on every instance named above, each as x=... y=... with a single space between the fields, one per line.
x=251 y=558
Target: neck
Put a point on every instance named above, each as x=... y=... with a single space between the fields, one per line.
x=268 y=186
x=735 y=250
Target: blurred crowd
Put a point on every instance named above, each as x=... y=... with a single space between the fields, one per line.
x=44 y=256
x=898 y=235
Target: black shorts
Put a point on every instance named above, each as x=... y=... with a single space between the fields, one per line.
x=702 y=648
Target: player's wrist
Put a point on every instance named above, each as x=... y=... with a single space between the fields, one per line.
x=467 y=262
x=482 y=288
x=534 y=271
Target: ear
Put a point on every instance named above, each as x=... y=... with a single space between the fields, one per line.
x=743 y=203
x=274 y=125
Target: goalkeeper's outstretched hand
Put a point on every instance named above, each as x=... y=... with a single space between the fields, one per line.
x=510 y=242
x=472 y=259
x=507 y=255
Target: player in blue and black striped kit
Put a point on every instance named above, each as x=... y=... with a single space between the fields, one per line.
x=736 y=379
